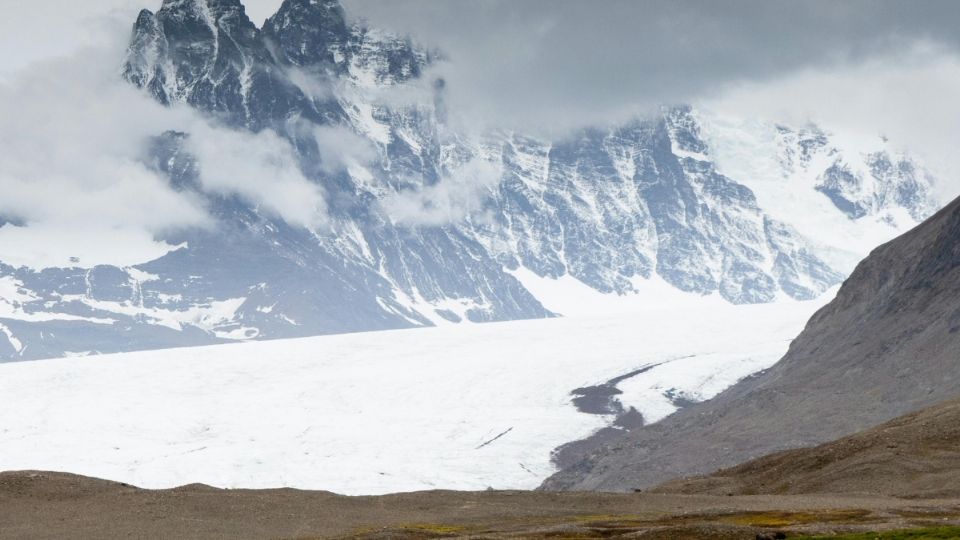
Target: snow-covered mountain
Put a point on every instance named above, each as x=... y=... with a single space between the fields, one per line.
x=430 y=225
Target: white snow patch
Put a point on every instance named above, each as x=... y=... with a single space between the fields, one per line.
x=39 y=246
x=428 y=309
x=14 y=342
x=696 y=378
x=747 y=150
x=210 y=316
x=361 y=115
x=571 y=297
x=140 y=276
x=697 y=156
x=13 y=295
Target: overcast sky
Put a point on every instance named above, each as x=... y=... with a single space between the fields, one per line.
x=870 y=67
x=578 y=61
x=562 y=63
x=32 y=30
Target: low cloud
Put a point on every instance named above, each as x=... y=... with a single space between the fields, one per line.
x=32 y=31
x=904 y=98
x=73 y=136
x=549 y=67
x=260 y=168
x=70 y=174
x=555 y=65
x=341 y=149
x=455 y=197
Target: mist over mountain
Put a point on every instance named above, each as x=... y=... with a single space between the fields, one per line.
x=331 y=194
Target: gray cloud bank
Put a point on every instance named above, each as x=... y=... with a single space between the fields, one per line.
x=551 y=66
x=562 y=62
x=74 y=135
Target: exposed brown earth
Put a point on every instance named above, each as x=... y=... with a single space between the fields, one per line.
x=917 y=455
x=54 y=505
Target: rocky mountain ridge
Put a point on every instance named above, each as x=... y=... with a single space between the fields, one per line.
x=432 y=226
x=884 y=347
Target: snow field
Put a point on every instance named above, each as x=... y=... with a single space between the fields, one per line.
x=456 y=407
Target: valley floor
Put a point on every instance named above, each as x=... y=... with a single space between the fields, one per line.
x=465 y=407
x=53 y=505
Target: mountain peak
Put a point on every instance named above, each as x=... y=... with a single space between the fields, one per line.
x=313 y=5
x=145 y=18
x=326 y=15
x=210 y=13
x=216 y=6
x=308 y=31
x=202 y=52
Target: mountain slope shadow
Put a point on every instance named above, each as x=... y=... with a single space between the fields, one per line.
x=887 y=345
x=915 y=456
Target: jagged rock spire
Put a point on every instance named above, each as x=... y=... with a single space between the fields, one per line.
x=209 y=54
x=309 y=32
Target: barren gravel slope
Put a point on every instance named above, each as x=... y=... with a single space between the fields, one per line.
x=917 y=455
x=889 y=344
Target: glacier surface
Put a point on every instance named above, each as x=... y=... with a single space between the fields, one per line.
x=465 y=406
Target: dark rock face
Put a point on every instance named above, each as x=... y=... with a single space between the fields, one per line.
x=207 y=53
x=887 y=345
x=310 y=33
x=606 y=206
x=836 y=182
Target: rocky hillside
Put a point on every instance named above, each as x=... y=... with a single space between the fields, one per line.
x=917 y=455
x=887 y=345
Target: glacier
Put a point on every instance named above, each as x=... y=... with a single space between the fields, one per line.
x=456 y=407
